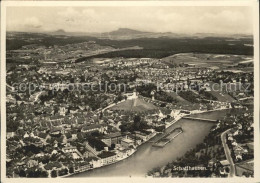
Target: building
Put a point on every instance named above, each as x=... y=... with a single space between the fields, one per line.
x=10 y=134
x=127 y=142
x=94 y=127
x=73 y=151
x=224 y=163
x=107 y=157
x=32 y=163
x=113 y=138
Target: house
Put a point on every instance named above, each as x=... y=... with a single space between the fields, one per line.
x=56 y=118
x=127 y=142
x=239 y=157
x=230 y=138
x=55 y=131
x=83 y=166
x=211 y=163
x=121 y=154
x=10 y=134
x=32 y=163
x=141 y=135
x=63 y=110
x=74 y=136
x=94 y=127
x=41 y=154
x=73 y=151
x=25 y=135
x=234 y=143
x=44 y=136
x=54 y=151
x=21 y=164
x=107 y=157
x=88 y=154
x=222 y=171
x=224 y=163
x=113 y=138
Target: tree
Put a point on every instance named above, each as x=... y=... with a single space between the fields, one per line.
x=113 y=146
x=227 y=169
x=22 y=173
x=123 y=128
x=12 y=126
x=44 y=174
x=53 y=173
x=137 y=122
x=101 y=115
x=71 y=170
x=209 y=107
x=63 y=172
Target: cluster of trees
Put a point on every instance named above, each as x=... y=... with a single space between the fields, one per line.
x=162 y=47
x=12 y=125
x=63 y=171
x=32 y=172
x=137 y=125
x=145 y=90
x=189 y=96
x=207 y=95
x=119 y=97
x=163 y=96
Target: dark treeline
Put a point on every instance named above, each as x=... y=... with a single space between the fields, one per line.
x=163 y=47
x=152 y=47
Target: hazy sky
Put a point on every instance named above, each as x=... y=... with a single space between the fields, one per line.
x=231 y=20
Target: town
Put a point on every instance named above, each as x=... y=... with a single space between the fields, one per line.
x=58 y=126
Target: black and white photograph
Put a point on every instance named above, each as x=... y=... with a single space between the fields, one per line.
x=129 y=90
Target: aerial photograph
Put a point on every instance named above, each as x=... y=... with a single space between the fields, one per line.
x=129 y=91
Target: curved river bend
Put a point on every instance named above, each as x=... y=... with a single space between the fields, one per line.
x=148 y=157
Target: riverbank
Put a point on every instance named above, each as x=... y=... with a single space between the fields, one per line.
x=140 y=154
x=134 y=150
x=118 y=160
x=180 y=116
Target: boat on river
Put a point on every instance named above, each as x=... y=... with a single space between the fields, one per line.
x=168 y=137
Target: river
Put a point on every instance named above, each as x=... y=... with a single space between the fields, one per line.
x=148 y=157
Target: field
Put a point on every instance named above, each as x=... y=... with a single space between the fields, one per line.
x=214 y=61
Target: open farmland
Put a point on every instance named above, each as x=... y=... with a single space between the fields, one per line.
x=214 y=61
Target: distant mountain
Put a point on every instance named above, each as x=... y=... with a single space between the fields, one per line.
x=127 y=33
x=124 y=33
x=59 y=32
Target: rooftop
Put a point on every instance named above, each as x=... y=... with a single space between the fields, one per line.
x=113 y=135
x=127 y=140
x=106 y=154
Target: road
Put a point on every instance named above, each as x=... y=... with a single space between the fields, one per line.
x=228 y=153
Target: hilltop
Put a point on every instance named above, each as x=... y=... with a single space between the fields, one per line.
x=135 y=105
